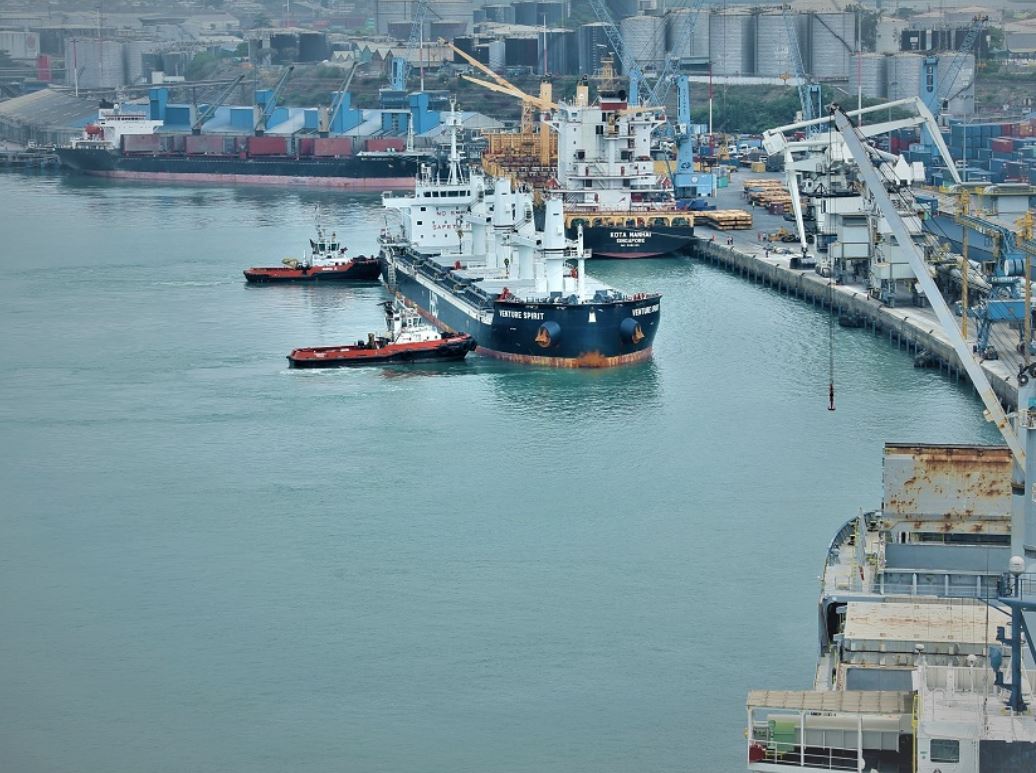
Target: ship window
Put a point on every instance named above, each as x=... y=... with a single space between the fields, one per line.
x=581 y=154
x=944 y=750
x=600 y=129
x=420 y=222
x=424 y=209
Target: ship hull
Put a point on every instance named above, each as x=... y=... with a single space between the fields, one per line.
x=352 y=173
x=581 y=335
x=447 y=350
x=366 y=270
x=633 y=243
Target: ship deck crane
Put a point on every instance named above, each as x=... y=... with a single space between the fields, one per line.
x=264 y=113
x=210 y=110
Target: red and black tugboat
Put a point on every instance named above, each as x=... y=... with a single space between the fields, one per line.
x=408 y=339
x=326 y=262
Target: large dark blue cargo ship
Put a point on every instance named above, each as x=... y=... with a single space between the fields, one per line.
x=472 y=260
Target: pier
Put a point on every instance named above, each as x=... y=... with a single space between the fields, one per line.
x=913 y=328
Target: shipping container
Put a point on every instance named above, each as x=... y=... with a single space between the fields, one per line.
x=1002 y=145
x=306 y=146
x=333 y=147
x=203 y=145
x=267 y=146
x=382 y=144
x=141 y=143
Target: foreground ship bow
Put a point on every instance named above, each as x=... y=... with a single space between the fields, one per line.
x=472 y=260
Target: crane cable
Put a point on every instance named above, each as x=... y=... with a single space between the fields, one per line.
x=830 y=296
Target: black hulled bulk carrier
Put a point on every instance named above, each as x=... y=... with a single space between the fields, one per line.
x=471 y=259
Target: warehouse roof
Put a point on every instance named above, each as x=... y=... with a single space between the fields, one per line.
x=50 y=108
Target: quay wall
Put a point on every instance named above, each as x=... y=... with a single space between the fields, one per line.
x=908 y=327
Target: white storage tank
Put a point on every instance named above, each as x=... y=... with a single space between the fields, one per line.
x=497 y=55
x=904 y=75
x=833 y=42
x=18 y=44
x=730 y=46
x=687 y=41
x=774 y=56
x=960 y=93
x=644 y=37
x=871 y=70
x=99 y=63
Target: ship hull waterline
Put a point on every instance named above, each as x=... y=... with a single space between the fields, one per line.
x=636 y=243
x=510 y=330
x=367 y=270
x=352 y=173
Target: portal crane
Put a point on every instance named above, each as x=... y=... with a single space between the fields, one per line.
x=336 y=104
x=978 y=25
x=822 y=139
x=1020 y=438
x=871 y=169
x=809 y=92
x=265 y=112
x=210 y=110
x=401 y=64
x=630 y=66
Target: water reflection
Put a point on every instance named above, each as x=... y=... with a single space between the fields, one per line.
x=586 y=393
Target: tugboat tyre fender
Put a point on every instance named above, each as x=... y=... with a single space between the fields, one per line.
x=630 y=331
x=549 y=334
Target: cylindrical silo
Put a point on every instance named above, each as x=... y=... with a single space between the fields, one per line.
x=550 y=13
x=622 y=8
x=390 y=11
x=774 y=56
x=399 y=30
x=497 y=55
x=525 y=13
x=556 y=57
x=687 y=41
x=729 y=43
x=593 y=47
x=871 y=71
x=833 y=41
x=459 y=12
x=501 y=14
x=904 y=75
x=521 y=52
x=448 y=30
x=644 y=37
x=960 y=93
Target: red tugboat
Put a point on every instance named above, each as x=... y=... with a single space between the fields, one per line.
x=326 y=263
x=407 y=340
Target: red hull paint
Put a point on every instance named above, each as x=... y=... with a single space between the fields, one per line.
x=458 y=346
x=344 y=183
x=342 y=272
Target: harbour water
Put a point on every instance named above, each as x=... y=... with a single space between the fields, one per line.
x=212 y=563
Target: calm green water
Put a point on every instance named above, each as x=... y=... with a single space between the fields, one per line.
x=211 y=563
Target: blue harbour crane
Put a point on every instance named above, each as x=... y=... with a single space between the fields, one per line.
x=266 y=103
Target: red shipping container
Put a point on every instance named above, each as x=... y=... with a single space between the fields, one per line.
x=204 y=144
x=141 y=143
x=383 y=144
x=1007 y=129
x=305 y=146
x=267 y=146
x=333 y=146
x=1002 y=144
